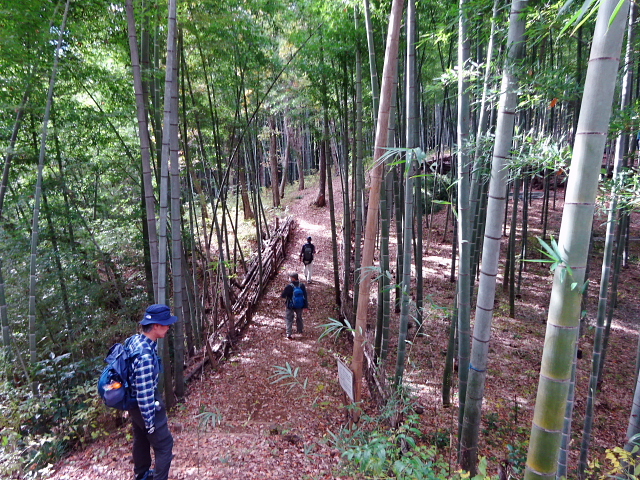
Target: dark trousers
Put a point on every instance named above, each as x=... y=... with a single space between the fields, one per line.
x=161 y=441
x=291 y=313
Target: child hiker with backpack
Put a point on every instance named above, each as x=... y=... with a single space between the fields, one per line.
x=295 y=294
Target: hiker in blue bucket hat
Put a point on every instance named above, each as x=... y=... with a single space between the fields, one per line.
x=149 y=415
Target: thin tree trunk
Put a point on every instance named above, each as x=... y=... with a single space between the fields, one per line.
x=285 y=156
x=491 y=244
x=382 y=322
x=398 y=174
x=297 y=138
x=169 y=103
x=464 y=219
x=176 y=245
x=477 y=179
x=358 y=173
x=4 y=319
x=411 y=164
x=322 y=174
x=33 y=355
x=11 y=148
x=273 y=161
x=324 y=151
x=375 y=98
x=59 y=270
x=145 y=146
x=346 y=203
x=513 y=231
x=447 y=374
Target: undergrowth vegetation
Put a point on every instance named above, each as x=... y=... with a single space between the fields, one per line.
x=37 y=430
x=374 y=449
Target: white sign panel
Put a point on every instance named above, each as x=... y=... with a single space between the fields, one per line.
x=345 y=375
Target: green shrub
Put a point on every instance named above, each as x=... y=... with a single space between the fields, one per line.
x=620 y=464
x=36 y=431
x=385 y=453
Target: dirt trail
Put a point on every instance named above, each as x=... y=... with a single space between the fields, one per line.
x=267 y=430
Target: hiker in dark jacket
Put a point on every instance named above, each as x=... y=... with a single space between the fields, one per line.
x=149 y=416
x=296 y=301
x=306 y=257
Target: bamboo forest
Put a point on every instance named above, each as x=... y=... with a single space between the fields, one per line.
x=466 y=174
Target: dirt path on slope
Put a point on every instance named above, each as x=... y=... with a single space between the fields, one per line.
x=266 y=430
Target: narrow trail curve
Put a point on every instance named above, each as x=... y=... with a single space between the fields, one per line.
x=267 y=430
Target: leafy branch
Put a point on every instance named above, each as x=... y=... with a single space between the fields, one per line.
x=282 y=374
x=335 y=328
x=557 y=259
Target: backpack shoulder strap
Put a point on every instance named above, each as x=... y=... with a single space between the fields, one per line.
x=143 y=350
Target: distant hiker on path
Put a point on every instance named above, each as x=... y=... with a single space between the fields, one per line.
x=149 y=416
x=295 y=295
x=306 y=257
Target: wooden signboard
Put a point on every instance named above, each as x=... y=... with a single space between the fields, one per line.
x=345 y=376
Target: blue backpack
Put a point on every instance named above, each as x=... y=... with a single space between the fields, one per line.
x=114 y=386
x=297 y=300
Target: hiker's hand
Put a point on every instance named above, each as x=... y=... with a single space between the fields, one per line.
x=151 y=429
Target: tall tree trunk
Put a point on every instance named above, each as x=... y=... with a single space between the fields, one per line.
x=447 y=374
x=297 y=140
x=273 y=161
x=620 y=152
x=477 y=181
x=167 y=132
x=375 y=89
x=491 y=244
x=4 y=320
x=464 y=218
x=358 y=172
x=384 y=294
x=11 y=148
x=397 y=171
x=285 y=156
x=33 y=352
x=573 y=241
x=176 y=245
x=346 y=203
x=322 y=175
x=411 y=164
x=381 y=142
x=332 y=216
x=59 y=270
x=513 y=231
x=145 y=146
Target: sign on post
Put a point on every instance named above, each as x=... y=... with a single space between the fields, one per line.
x=345 y=376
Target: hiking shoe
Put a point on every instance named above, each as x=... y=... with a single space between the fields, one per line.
x=289 y=337
x=148 y=475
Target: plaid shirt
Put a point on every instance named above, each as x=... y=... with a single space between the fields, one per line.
x=144 y=376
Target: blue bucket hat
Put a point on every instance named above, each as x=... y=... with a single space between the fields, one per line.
x=158 y=313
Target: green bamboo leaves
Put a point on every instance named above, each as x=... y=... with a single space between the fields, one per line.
x=289 y=376
x=556 y=259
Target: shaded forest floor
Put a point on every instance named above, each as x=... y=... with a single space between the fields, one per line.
x=269 y=430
